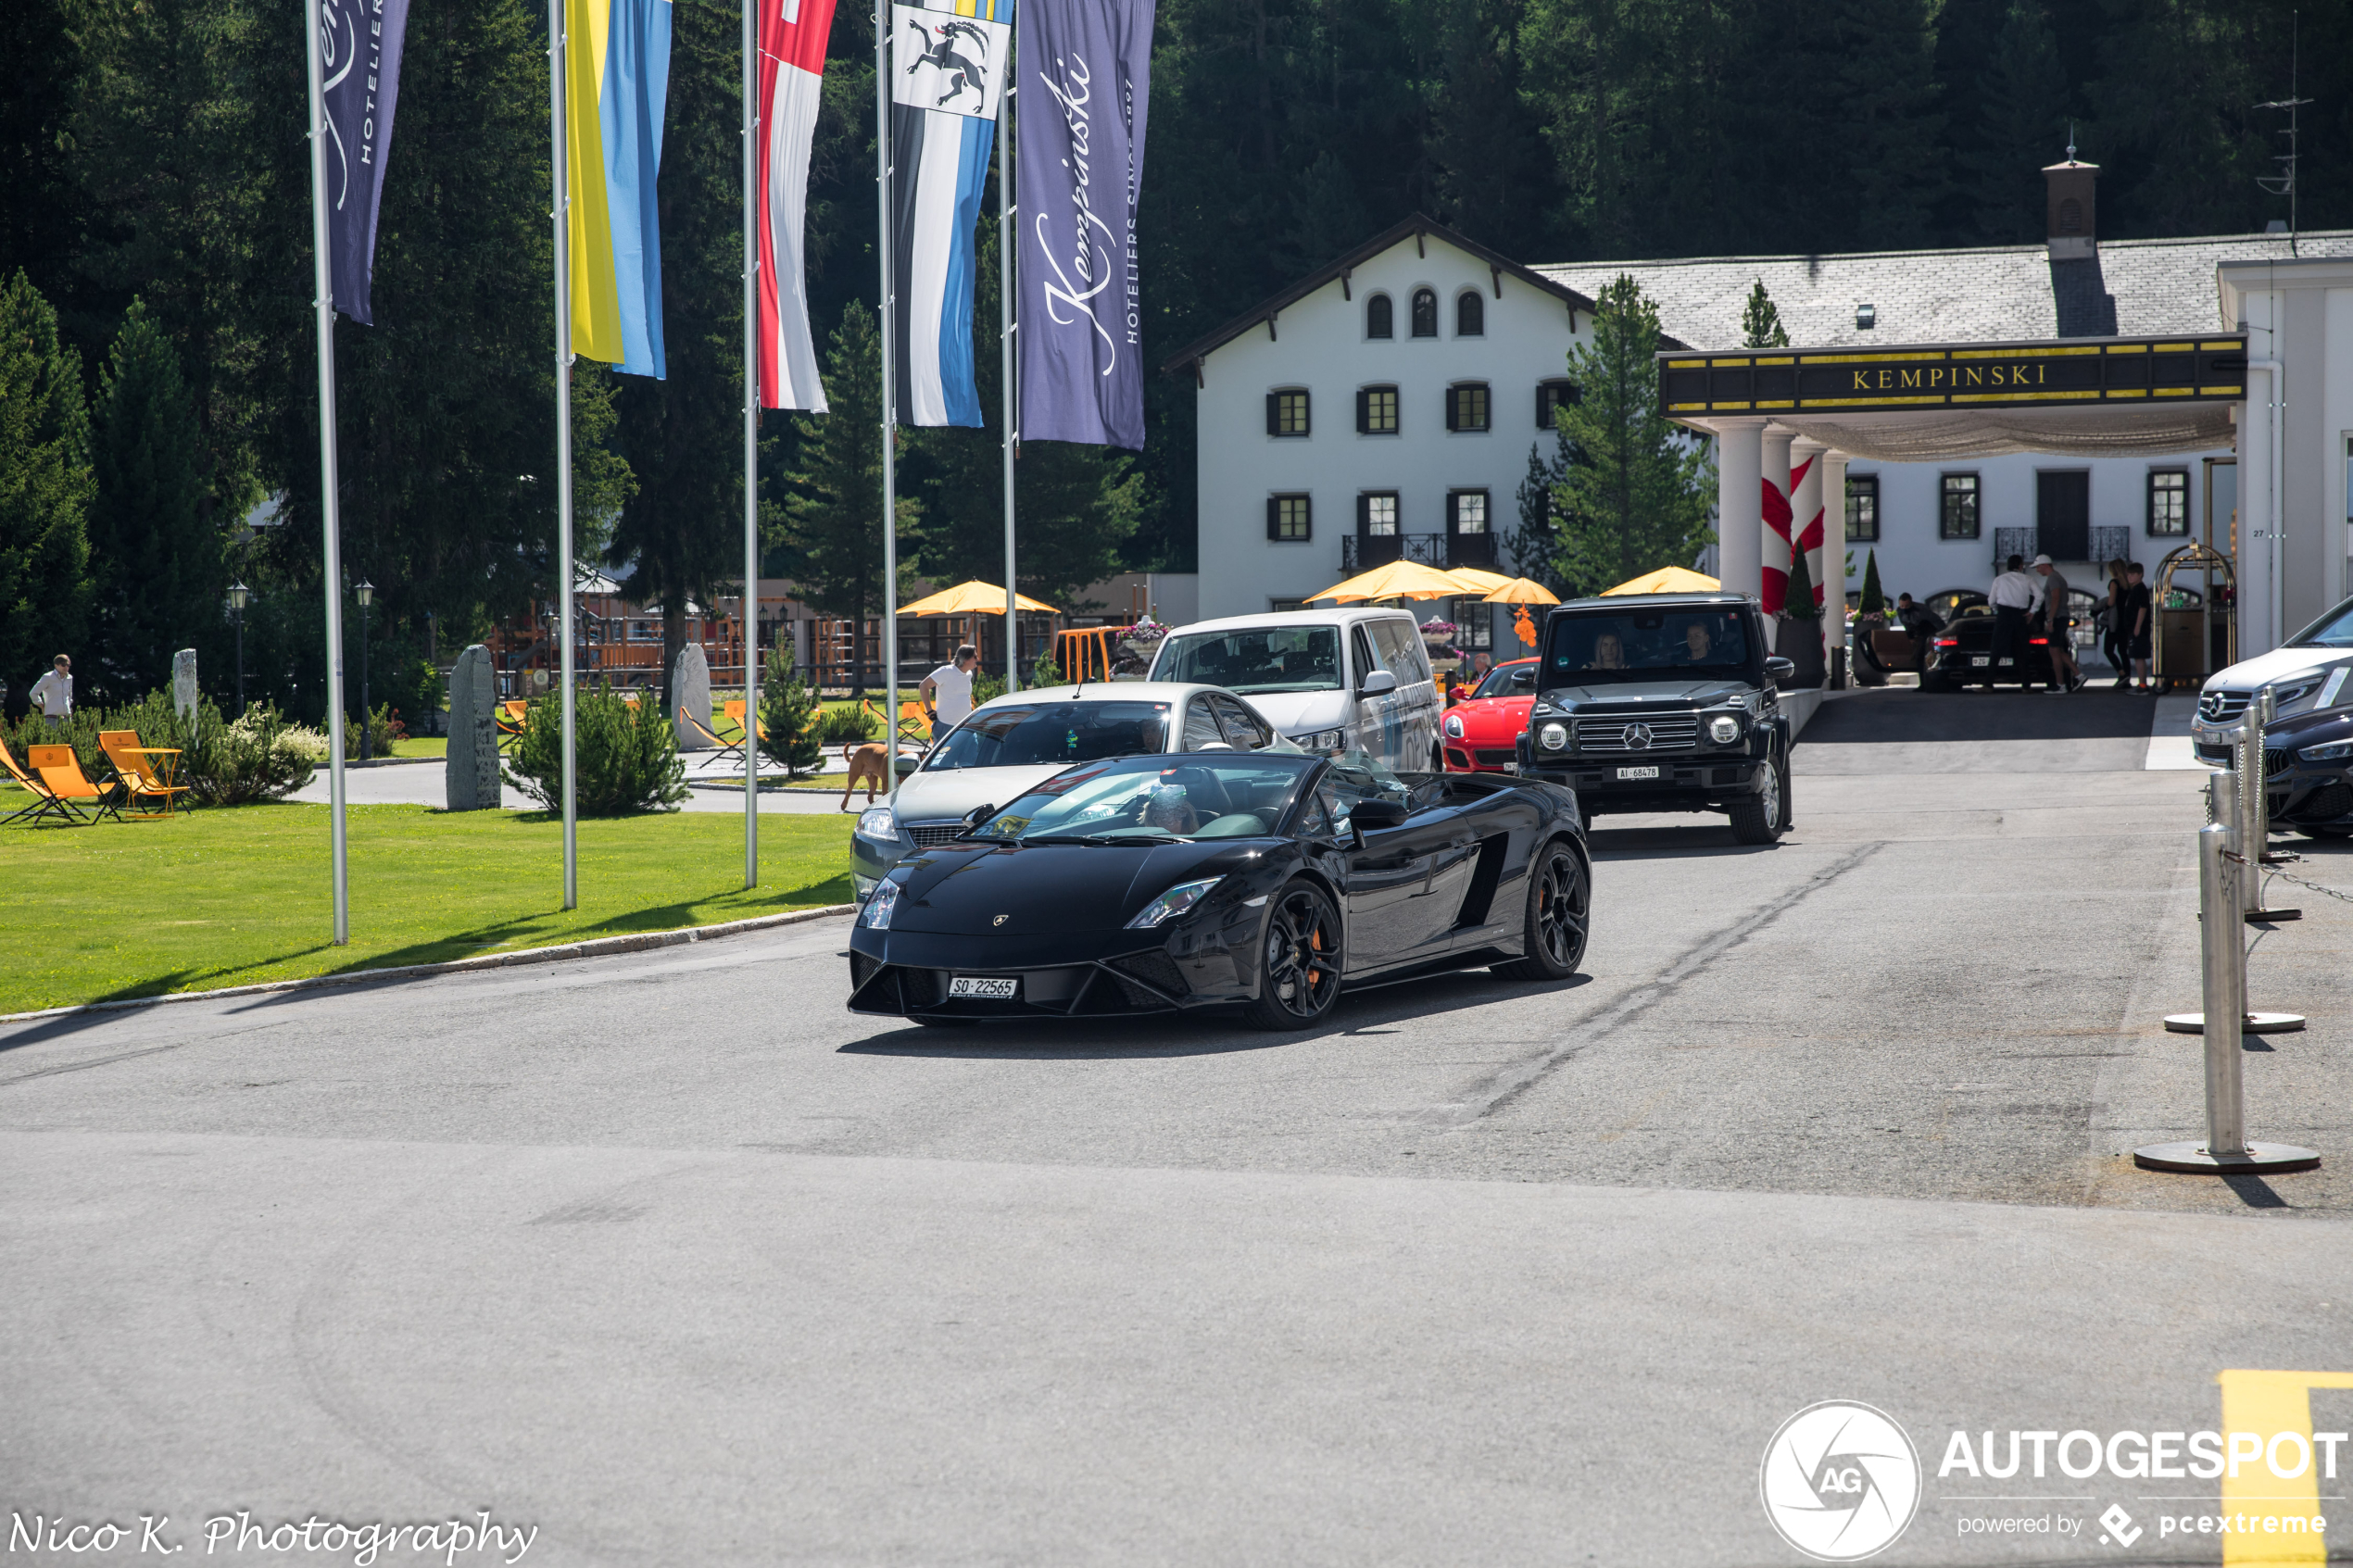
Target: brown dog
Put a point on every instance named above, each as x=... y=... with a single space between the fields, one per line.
x=870 y=762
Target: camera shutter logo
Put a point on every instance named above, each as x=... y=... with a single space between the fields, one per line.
x=1841 y=1481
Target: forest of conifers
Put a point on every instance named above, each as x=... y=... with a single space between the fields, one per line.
x=154 y=150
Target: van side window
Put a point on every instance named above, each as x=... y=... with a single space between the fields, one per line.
x=1400 y=652
x=1360 y=653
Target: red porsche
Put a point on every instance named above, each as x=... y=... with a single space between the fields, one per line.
x=1483 y=730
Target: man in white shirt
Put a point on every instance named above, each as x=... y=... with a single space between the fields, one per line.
x=53 y=693
x=2013 y=596
x=948 y=691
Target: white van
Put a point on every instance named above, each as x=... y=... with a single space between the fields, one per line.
x=1332 y=680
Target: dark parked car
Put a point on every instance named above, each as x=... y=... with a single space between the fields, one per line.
x=1965 y=655
x=2307 y=773
x=1265 y=881
x=1663 y=702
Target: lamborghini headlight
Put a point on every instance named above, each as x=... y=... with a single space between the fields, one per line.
x=881 y=906
x=1177 y=900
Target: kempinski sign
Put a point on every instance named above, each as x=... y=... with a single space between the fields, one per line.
x=2111 y=371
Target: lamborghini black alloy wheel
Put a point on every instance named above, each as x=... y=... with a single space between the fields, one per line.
x=1301 y=953
x=1559 y=903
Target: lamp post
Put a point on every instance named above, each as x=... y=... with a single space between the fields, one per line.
x=238 y=593
x=366 y=593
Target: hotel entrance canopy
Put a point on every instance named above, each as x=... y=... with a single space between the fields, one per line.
x=1928 y=403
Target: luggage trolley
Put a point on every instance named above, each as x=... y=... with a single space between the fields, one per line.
x=2197 y=628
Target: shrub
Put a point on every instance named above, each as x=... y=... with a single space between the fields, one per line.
x=789 y=711
x=626 y=761
x=847 y=726
x=382 y=730
x=1874 y=597
x=263 y=756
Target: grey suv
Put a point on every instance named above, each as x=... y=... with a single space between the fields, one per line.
x=1663 y=702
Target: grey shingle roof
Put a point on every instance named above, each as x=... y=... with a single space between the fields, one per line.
x=2006 y=292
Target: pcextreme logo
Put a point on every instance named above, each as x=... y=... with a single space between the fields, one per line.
x=1841 y=1481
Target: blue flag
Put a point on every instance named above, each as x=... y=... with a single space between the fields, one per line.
x=359 y=57
x=1086 y=83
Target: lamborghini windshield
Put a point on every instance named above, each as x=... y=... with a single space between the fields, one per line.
x=1148 y=800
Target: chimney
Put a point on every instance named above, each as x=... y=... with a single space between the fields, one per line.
x=2071 y=207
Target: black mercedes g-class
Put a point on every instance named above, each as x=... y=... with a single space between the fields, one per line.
x=1663 y=702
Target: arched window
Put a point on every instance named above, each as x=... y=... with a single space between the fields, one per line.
x=1425 y=312
x=1379 y=317
x=1470 y=315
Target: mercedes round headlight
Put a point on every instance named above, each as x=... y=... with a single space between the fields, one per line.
x=879 y=824
x=1453 y=726
x=1552 y=738
x=881 y=906
x=1724 y=729
x=2330 y=752
x=1177 y=900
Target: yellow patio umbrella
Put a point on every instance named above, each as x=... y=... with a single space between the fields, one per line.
x=1522 y=591
x=1666 y=580
x=972 y=599
x=1398 y=580
x=1476 y=581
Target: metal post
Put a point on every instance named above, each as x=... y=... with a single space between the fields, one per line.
x=366 y=713
x=2224 y=797
x=889 y=405
x=559 y=152
x=752 y=450
x=329 y=489
x=1005 y=246
x=2224 y=961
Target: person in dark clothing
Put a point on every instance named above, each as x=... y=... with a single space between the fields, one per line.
x=1922 y=625
x=2139 y=616
x=2110 y=617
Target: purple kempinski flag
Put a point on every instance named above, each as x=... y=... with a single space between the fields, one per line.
x=359 y=57
x=1086 y=82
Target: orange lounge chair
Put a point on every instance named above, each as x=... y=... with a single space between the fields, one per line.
x=510 y=719
x=724 y=746
x=43 y=803
x=60 y=769
x=138 y=771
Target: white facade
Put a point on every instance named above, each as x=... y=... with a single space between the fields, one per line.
x=1319 y=344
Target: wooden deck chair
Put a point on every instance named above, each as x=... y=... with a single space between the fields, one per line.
x=509 y=716
x=138 y=771
x=914 y=724
x=44 y=804
x=724 y=746
x=61 y=770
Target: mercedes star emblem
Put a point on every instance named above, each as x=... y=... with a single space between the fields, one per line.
x=1635 y=737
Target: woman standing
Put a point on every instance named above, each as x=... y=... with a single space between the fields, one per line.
x=2112 y=637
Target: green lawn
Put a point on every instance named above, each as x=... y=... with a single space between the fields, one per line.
x=229 y=897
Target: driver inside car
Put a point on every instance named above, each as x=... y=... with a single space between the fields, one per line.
x=1609 y=652
x=1696 y=644
x=1168 y=810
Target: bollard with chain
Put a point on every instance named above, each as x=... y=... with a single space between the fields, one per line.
x=2224 y=799
x=2222 y=953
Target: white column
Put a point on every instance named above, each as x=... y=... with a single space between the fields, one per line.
x=1739 y=469
x=2255 y=589
x=1834 y=466
x=1772 y=548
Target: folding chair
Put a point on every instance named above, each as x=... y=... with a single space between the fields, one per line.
x=44 y=804
x=138 y=771
x=724 y=746
x=510 y=718
x=61 y=770
x=914 y=724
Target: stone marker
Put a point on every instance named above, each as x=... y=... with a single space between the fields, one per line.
x=184 y=684
x=472 y=772
x=690 y=688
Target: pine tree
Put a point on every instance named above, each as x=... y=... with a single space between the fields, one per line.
x=787 y=712
x=1636 y=497
x=44 y=488
x=1761 y=323
x=1874 y=597
x=2021 y=93
x=831 y=510
x=155 y=563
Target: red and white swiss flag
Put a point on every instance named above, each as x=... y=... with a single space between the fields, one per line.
x=792 y=62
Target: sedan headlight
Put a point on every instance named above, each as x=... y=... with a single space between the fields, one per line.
x=1553 y=737
x=2332 y=751
x=881 y=906
x=878 y=823
x=1724 y=729
x=1177 y=900
x=1321 y=740
x=1453 y=726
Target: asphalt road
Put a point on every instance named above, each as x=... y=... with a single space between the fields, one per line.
x=674 y=1259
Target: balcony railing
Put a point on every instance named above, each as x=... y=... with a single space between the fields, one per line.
x=1361 y=552
x=2106 y=544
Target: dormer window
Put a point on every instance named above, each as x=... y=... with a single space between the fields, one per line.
x=1866 y=317
x=1470 y=315
x=1425 y=312
x=1380 y=317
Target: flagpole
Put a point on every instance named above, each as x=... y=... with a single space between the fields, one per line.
x=331 y=507
x=751 y=449
x=559 y=150
x=889 y=408
x=1005 y=336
